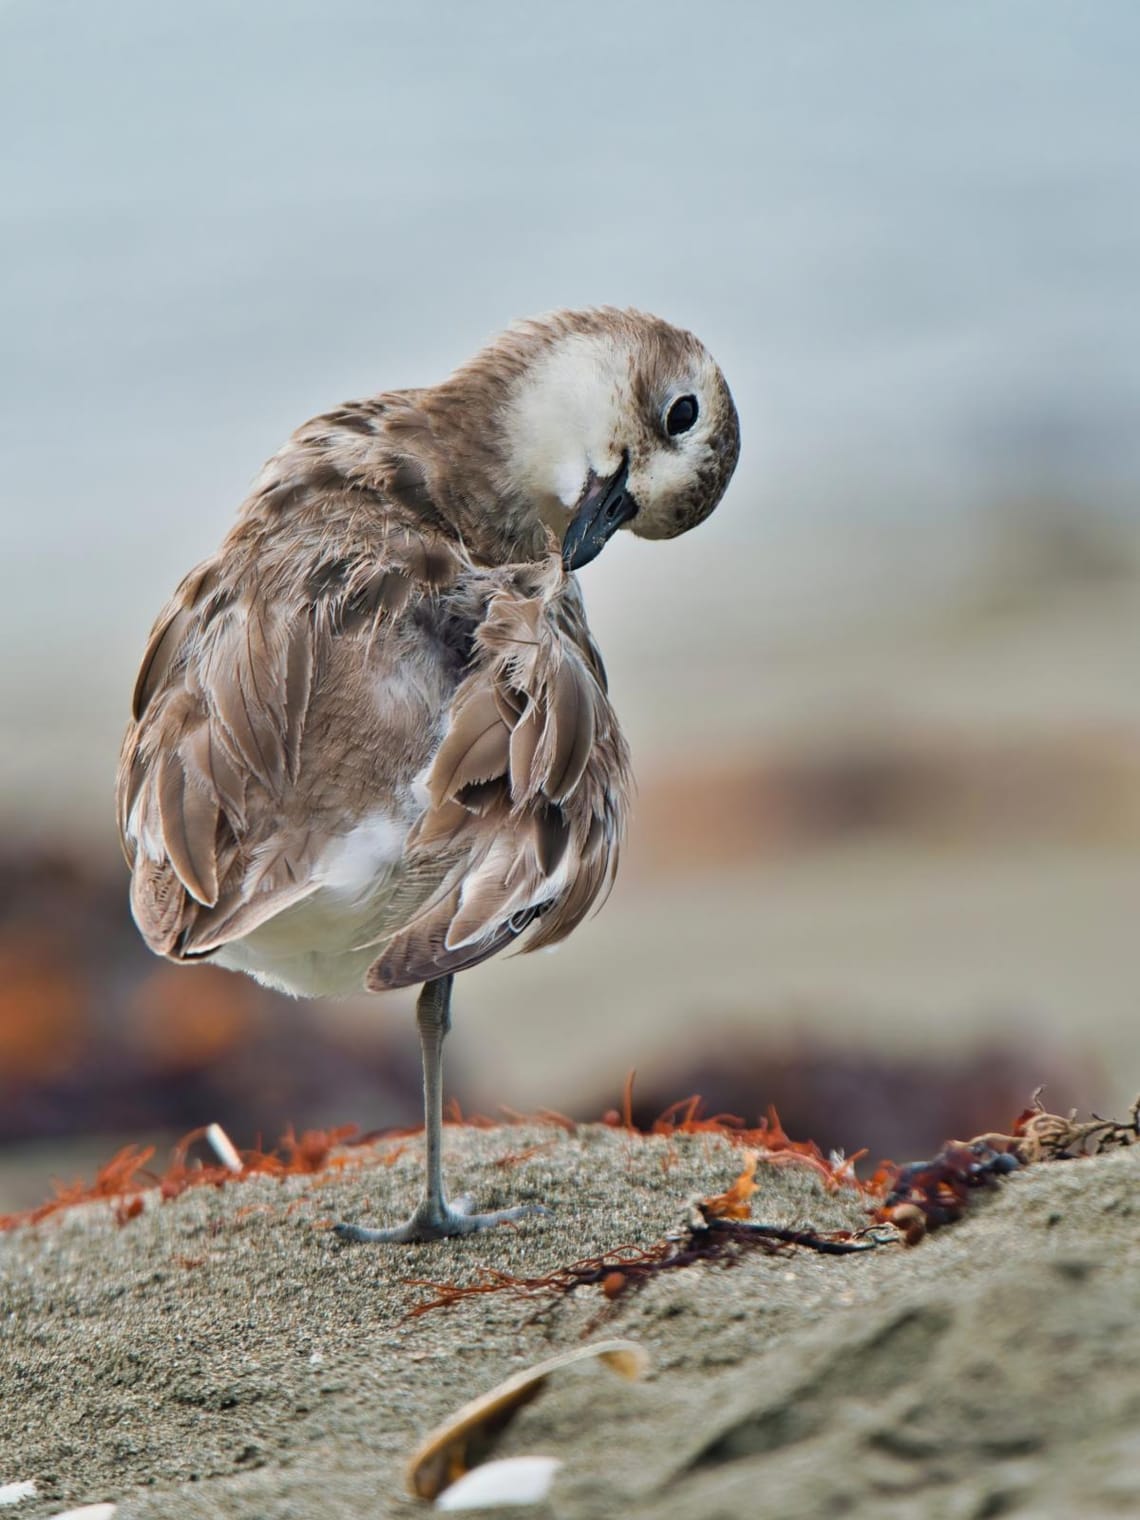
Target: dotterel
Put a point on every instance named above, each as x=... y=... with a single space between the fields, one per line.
x=371 y=741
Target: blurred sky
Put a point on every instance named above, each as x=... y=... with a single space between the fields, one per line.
x=909 y=233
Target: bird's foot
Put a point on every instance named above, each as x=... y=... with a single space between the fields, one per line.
x=434 y=1220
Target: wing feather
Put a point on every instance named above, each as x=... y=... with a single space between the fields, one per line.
x=525 y=737
x=215 y=778
x=210 y=764
x=569 y=735
x=165 y=643
x=477 y=746
x=188 y=817
x=528 y=790
x=298 y=689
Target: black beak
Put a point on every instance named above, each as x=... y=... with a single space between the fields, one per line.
x=605 y=505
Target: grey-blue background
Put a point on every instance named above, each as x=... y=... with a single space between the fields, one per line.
x=909 y=232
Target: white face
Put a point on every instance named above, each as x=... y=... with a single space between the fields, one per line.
x=591 y=401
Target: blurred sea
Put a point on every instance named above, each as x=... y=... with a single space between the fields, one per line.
x=908 y=233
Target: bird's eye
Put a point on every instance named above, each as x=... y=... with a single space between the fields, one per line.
x=681 y=415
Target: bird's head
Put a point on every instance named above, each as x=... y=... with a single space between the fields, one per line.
x=615 y=419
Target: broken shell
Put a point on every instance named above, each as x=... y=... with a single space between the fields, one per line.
x=13 y=1493
x=510 y=1480
x=87 y=1512
x=465 y=1439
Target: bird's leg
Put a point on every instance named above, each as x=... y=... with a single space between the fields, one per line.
x=435 y=1218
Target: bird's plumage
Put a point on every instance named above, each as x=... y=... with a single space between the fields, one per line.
x=371 y=741
x=286 y=699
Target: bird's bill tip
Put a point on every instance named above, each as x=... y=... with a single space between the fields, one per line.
x=605 y=505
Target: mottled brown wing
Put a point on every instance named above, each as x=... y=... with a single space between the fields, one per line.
x=218 y=718
x=221 y=828
x=528 y=790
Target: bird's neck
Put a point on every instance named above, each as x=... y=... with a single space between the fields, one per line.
x=435 y=459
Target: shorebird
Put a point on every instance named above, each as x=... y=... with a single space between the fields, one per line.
x=371 y=742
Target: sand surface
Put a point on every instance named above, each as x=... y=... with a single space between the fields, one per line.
x=223 y=1355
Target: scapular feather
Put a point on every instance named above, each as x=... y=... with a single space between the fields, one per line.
x=189 y=818
x=476 y=747
x=569 y=729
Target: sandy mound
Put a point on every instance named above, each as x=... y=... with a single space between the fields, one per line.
x=221 y=1355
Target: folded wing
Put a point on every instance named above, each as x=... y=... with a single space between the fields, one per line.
x=227 y=795
x=527 y=793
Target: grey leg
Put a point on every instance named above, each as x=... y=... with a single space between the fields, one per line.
x=435 y=1218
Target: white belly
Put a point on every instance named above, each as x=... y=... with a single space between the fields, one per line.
x=324 y=945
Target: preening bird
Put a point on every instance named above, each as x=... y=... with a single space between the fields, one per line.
x=371 y=742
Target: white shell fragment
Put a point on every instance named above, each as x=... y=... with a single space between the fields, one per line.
x=12 y=1493
x=223 y=1147
x=510 y=1480
x=87 y=1512
x=462 y=1442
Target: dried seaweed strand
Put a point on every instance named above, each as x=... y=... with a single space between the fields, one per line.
x=768 y=1137
x=938 y=1188
x=127 y=1176
x=707 y=1238
x=124 y=1179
